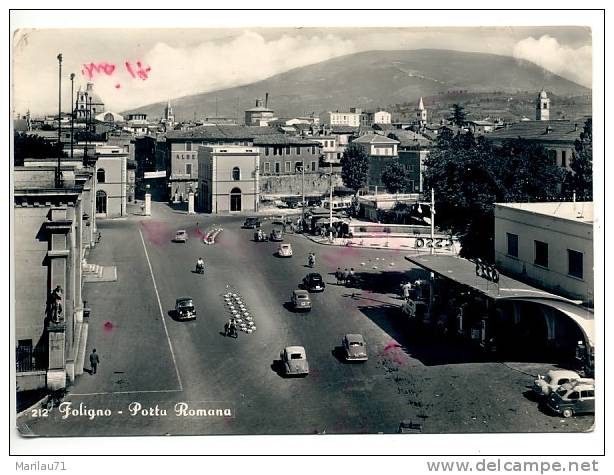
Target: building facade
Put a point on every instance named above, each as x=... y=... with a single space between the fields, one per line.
x=259 y=116
x=548 y=244
x=368 y=119
x=228 y=179
x=282 y=154
x=350 y=119
x=380 y=150
x=111 y=181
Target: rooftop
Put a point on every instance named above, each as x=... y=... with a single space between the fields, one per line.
x=375 y=138
x=282 y=139
x=545 y=130
x=220 y=132
x=581 y=211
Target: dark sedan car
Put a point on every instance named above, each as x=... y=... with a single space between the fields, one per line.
x=276 y=235
x=314 y=282
x=184 y=308
x=251 y=223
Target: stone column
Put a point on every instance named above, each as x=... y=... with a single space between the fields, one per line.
x=191 y=202
x=58 y=228
x=147 y=204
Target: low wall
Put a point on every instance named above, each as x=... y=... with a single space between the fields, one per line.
x=292 y=185
x=31 y=380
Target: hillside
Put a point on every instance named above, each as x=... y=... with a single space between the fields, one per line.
x=374 y=79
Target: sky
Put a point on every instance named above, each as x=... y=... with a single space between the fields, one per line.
x=131 y=67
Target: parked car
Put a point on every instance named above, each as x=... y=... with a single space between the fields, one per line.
x=554 y=378
x=354 y=347
x=294 y=361
x=184 y=308
x=251 y=223
x=313 y=282
x=276 y=235
x=300 y=300
x=181 y=236
x=575 y=397
x=284 y=250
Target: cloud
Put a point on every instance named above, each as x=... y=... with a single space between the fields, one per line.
x=572 y=63
x=208 y=66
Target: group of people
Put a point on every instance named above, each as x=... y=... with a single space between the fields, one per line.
x=230 y=328
x=346 y=276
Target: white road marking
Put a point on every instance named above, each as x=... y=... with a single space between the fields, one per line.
x=127 y=392
x=170 y=345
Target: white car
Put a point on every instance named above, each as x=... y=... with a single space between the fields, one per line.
x=294 y=361
x=554 y=378
x=284 y=250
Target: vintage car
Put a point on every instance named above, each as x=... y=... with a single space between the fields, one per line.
x=354 y=347
x=544 y=385
x=276 y=235
x=284 y=250
x=300 y=300
x=251 y=223
x=181 y=236
x=313 y=282
x=575 y=397
x=294 y=361
x=184 y=308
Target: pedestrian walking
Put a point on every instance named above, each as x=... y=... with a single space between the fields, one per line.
x=346 y=275
x=338 y=275
x=94 y=360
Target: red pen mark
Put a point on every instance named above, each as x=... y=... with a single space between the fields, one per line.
x=141 y=73
x=117 y=86
x=90 y=69
x=108 y=326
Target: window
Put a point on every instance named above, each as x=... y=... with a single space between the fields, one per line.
x=100 y=175
x=338 y=155
x=564 y=158
x=288 y=167
x=267 y=167
x=574 y=395
x=313 y=150
x=274 y=150
x=188 y=147
x=575 y=263
x=298 y=150
x=412 y=185
x=313 y=166
x=541 y=254
x=188 y=169
x=236 y=173
x=266 y=151
x=512 y=244
x=287 y=149
x=277 y=167
x=298 y=166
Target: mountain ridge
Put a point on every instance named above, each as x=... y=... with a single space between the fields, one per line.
x=371 y=79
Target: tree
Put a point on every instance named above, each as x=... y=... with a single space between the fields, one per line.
x=354 y=167
x=395 y=177
x=459 y=116
x=469 y=175
x=580 y=179
x=33 y=146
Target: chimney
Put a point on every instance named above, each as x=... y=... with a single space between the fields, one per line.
x=266 y=100
x=258 y=102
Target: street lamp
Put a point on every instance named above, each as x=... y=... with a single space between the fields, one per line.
x=302 y=167
x=72 y=113
x=58 y=178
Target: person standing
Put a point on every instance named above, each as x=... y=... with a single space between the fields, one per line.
x=94 y=360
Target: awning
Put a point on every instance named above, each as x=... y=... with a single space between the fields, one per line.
x=584 y=317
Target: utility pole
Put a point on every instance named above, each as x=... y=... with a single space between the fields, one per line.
x=330 y=205
x=58 y=174
x=432 y=221
x=303 y=193
x=72 y=113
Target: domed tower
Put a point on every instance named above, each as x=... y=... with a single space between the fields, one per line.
x=542 y=106
x=421 y=114
x=88 y=101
